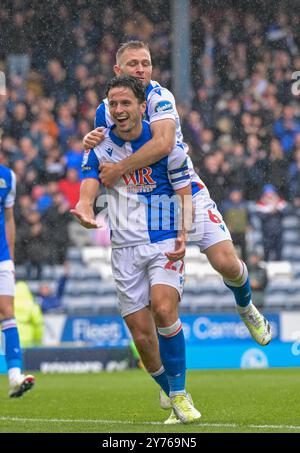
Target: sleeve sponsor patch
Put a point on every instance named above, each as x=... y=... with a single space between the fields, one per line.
x=85 y=157
x=163 y=106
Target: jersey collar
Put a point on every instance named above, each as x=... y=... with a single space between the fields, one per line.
x=117 y=140
x=120 y=142
x=150 y=87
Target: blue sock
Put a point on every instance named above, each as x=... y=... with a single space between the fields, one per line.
x=11 y=342
x=240 y=287
x=160 y=376
x=172 y=353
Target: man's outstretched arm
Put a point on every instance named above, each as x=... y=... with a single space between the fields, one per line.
x=84 y=209
x=161 y=144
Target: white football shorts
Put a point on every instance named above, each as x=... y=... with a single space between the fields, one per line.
x=136 y=269
x=7 y=278
x=209 y=227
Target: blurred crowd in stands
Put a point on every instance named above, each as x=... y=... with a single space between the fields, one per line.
x=243 y=128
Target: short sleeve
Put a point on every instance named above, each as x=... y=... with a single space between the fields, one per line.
x=178 y=169
x=161 y=105
x=11 y=196
x=90 y=165
x=100 y=117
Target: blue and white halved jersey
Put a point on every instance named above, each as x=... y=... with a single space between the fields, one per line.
x=7 y=200
x=160 y=105
x=142 y=206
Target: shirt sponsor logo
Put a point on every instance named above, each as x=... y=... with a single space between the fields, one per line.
x=163 y=106
x=139 y=177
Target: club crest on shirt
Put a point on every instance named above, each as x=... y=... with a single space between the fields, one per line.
x=3 y=183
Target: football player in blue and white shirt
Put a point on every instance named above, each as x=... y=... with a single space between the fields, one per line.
x=18 y=383
x=147 y=250
x=214 y=238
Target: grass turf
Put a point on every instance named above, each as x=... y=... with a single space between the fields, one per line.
x=230 y=401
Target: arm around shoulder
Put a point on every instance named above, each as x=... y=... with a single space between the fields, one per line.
x=160 y=146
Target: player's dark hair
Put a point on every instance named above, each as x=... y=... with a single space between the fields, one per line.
x=127 y=81
x=130 y=45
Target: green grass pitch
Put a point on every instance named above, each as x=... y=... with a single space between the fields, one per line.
x=230 y=401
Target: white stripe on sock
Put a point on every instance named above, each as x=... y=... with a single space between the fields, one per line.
x=8 y=323
x=241 y=279
x=158 y=372
x=170 y=331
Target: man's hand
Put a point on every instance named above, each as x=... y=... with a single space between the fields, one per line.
x=110 y=174
x=85 y=221
x=179 y=251
x=93 y=138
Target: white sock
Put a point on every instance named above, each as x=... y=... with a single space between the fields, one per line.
x=14 y=374
x=244 y=310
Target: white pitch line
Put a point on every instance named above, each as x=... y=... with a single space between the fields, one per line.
x=131 y=422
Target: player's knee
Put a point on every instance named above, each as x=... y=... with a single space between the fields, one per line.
x=162 y=313
x=6 y=311
x=227 y=265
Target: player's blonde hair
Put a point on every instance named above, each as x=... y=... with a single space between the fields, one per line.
x=130 y=45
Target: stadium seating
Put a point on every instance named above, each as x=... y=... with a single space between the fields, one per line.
x=90 y=287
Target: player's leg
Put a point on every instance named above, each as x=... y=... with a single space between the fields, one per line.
x=166 y=279
x=224 y=259
x=214 y=239
x=18 y=383
x=133 y=290
x=143 y=331
x=164 y=302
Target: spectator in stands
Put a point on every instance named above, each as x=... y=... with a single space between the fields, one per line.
x=20 y=125
x=42 y=197
x=214 y=178
x=277 y=170
x=235 y=214
x=70 y=187
x=237 y=174
x=56 y=220
x=29 y=316
x=258 y=278
x=50 y=300
x=294 y=178
x=18 y=41
x=33 y=237
x=242 y=66
x=66 y=125
x=286 y=128
x=73 y=155
x=270 y=209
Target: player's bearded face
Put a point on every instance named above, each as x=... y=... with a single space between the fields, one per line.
x=136 y=62
x=124 y=108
